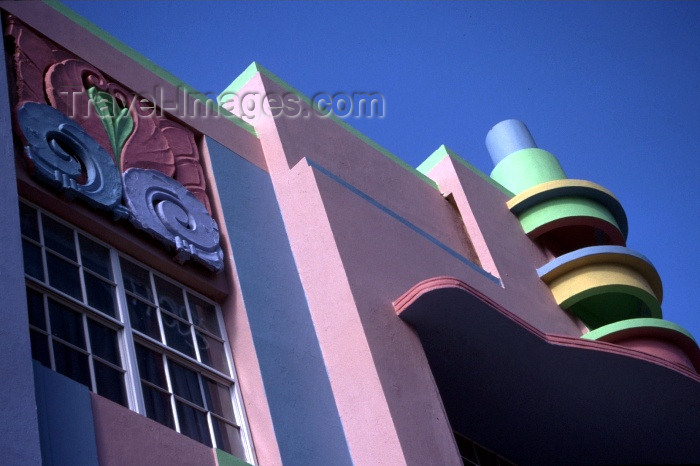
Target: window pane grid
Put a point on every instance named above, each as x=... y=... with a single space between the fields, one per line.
x=68 y=277
x=82 y=348
x=67 y=300
x=129 y=294
x=31 y=240
x=89 y=272
x=166 y=318
x=155 y=386
x=182 y=359
x=103 y=306
x=206 y=332
x=187 y=402
x=109 y=364
x=69 y=260
x=69 y=345
x=179 y=404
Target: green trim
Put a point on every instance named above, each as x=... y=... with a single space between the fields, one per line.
x=444 y=151
x=239 y=82
x=563 y=207
x=116 y=119
x=603 y=305
x=606 y=330
x=432 y=160
x=255 y=67
x=226 y=459
x=526 y=168
x=570 y=188
x=145 y=62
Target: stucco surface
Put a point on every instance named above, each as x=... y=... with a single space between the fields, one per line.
x=125 y=437
x=503 y=243
x=352 y=159
x=307 y=425
x=19 y=431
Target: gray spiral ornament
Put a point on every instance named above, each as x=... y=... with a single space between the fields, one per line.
x=64 y=156
x=164 y=208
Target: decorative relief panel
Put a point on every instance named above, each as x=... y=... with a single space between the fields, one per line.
x=164 y=208
x=81 y=131
x=136 y=136
x=64 y=156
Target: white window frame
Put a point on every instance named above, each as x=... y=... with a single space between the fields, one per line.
x=128 y=336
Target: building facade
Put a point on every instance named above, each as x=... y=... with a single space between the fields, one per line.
x=188 y=283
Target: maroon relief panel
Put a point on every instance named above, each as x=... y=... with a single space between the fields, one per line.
x=46 y=73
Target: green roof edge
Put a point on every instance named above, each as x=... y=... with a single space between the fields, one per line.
x=256 y=67
x=605 y=330
x=145 y=62
x=444 y=151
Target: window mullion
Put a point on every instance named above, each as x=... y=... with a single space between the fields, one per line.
x=84 y=318
x=161 y=328
x=169 y=382
x=44 y=264
x=126 y=342
x=207 y=408
x=193 y=332
x=47 y=317
x=241 y=421
x=88 y=346
x=223 y=334
x=79 y=259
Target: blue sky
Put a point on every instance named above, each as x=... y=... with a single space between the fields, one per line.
x=612 y=89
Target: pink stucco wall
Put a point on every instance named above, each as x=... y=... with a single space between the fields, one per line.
x=124 y=437
x=501 y=241
x=355 y=256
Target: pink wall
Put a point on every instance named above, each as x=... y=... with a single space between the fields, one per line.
x=333 y=147
x=355 y=256
x=502 y=242
x=124 y=437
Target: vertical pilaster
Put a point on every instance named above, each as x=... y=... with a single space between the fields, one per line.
x=19 y=431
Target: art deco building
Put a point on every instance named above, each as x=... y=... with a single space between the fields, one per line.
x=182 y=285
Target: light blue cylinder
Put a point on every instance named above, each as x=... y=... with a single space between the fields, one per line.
x=507 y=137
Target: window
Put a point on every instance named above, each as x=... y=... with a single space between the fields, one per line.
x=128 y=333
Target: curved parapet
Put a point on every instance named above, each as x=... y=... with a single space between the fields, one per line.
x=604 y=284
x=475 y=347
x=653 y=336
x=579 y=205
x=562 y=214
x=615 y=291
